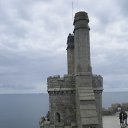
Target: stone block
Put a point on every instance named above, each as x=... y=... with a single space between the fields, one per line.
x=85 y=91
x=88 y=113
x=86 y=94
x=87 y=98
x=88 y=107
x=88 y=121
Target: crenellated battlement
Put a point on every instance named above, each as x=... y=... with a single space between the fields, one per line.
x=97 y=82
x=67 y=81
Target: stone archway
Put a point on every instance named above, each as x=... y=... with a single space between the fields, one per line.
x=57 y=117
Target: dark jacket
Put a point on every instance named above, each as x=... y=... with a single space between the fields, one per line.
x=124 y=115
x=121 y=117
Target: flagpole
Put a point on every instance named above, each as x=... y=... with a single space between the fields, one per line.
x=72 y=10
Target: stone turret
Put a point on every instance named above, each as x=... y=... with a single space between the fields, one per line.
x=86 y=115
x=82 y=43
x=70 y=54
x=75 y=100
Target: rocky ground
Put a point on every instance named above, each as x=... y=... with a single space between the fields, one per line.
x=111 y=122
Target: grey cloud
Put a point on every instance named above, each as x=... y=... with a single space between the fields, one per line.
x=123 y=7
x=30 y=50
x=17 y=70
x=33 y=41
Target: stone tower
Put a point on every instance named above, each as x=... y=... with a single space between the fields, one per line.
x=75 y=100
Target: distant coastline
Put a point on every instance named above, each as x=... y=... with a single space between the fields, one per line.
x=114 y=109
x=110 y=98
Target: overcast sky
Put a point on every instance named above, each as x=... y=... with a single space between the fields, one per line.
x=33 y=35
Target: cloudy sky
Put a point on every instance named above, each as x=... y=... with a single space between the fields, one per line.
x=33 y=36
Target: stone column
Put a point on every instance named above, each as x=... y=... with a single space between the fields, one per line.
x=82 y=43
x=86 y=113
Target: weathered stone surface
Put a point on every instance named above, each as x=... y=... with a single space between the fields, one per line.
x=91 y=120
x=86 y=94
x=88 y=113
x=86 y=91
x=88 y=107
x=87 y=98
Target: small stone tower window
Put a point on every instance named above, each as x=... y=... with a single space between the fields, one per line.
x=57 y=117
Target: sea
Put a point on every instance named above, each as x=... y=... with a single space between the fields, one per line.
x=25 y=110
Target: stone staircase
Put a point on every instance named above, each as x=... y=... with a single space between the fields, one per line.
x=86 y=106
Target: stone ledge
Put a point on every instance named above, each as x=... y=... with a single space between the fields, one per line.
x=87 y=98
x=88 y=113
x=89 y=121
x=61 y=89
x=87 y=107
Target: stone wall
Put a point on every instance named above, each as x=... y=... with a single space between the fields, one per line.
x=57 y=82
x=97 y=83
x=62 y=100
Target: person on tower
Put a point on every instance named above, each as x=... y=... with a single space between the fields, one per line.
x=48 y=116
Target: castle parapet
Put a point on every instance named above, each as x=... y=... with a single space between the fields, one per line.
x=57 y=82
x=44 y=124
x=97 y=82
